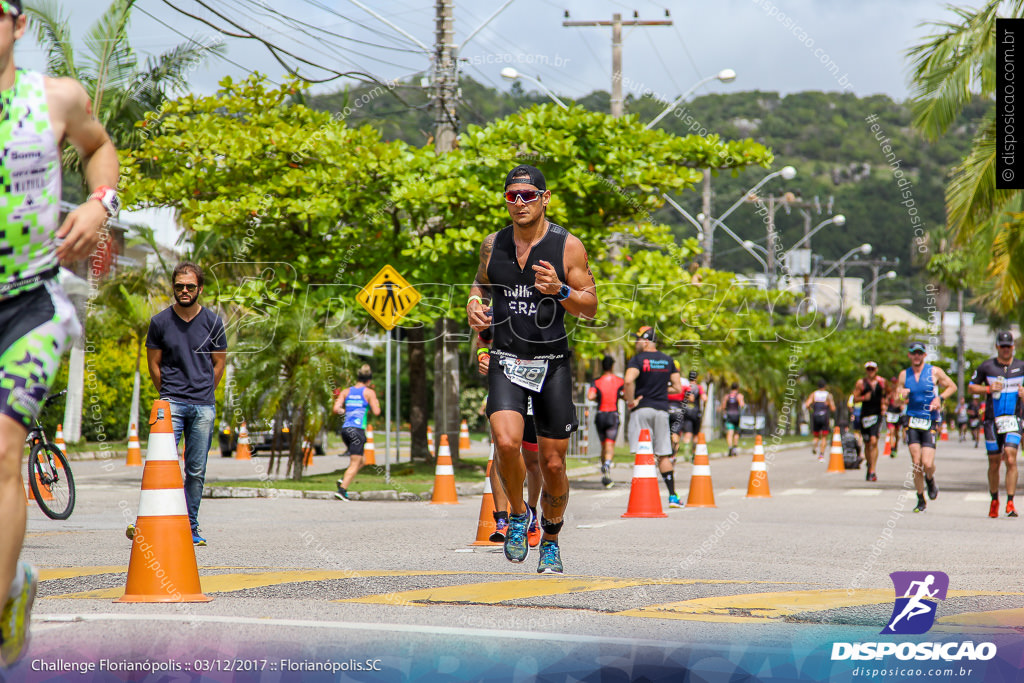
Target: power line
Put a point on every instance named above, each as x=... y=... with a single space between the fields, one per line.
x=382 y=34
x=668 y=71
x=272 y=47
x=193 y=40
x=686 y=50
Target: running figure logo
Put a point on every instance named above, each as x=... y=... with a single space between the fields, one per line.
x=916 y=592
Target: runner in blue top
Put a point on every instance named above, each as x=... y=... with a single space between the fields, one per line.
x=918 y=386
x=1002 y=379
x=353 y=402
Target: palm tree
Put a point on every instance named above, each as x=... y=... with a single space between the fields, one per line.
x=948 y=70
x=121 y=90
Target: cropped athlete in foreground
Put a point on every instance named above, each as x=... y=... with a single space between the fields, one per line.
x=531 y=273
x=37 y=115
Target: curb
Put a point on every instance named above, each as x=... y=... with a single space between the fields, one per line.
x=462 y=489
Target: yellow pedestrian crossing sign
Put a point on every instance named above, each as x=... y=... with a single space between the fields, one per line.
x=388 y=297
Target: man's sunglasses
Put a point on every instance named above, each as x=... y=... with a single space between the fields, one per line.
x=182 y=288
x=914 y=353
x=526 y=195
x=7 y=8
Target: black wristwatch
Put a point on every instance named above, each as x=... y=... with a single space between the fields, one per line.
x=563 y=292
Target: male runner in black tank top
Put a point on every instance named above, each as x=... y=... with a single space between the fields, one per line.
x=869 y=392
x=532 y=273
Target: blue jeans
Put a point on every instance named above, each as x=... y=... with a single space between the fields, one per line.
x=194 y=422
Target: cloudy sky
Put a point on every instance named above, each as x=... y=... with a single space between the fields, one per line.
x=773 y=45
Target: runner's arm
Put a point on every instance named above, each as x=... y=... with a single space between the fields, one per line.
x=675 y=383
x=371 y=397
x=582 y=301
x=339 y=403
x=476 y=308
x=629 y=387
x=81 y=229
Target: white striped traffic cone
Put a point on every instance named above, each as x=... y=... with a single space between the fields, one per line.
x=644 y=499
x=163 y=561
x=757 y=487
x=134 y=458
x=702 y=493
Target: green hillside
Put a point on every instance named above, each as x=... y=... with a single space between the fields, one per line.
x=824 y=135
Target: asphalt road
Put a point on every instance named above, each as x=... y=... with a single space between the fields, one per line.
x=756 y=586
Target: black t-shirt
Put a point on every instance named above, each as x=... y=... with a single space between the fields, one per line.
x=872 y=406
x=186 y=364
x=656 y=370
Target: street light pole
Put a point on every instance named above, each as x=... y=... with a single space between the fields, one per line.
x=511 y=74
x=841 y=264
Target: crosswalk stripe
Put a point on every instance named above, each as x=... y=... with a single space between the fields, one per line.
x=798 y=492
x=863 y=492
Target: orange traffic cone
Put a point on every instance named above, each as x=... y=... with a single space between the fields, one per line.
x=134 y=458
x=444 y=477
x=464 y=436
x=757 y=487
x=486 y=525
x=307 y=454
x=888 y=445
x=944 y=435
x=242 y=450
x=430 y=440
x=163 y=562
x=368 y=450
x=59 y=442
x=702 y=493
x=644 y=499
x=835 y=460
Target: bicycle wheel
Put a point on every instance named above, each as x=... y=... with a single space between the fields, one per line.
x=49 y=475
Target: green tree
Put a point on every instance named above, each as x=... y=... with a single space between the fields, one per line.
x=121 y=89
x=949 y=69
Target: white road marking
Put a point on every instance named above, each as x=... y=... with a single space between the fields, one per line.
x=427 y=629
x=977 y=497
x=798 y=492
x=863 y=492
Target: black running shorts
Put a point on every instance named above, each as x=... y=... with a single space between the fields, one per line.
x=553 y=411
x=607 y=425
x=354 y=438
x=925 y=437
x=872 y=430
x=675 y=417
x=691 y=422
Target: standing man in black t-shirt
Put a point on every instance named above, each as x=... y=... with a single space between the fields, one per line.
x=531 y=274
x=650 y=376
x=186 y=349
x=869 y=392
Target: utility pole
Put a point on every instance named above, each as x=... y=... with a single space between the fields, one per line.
x=617 y=23
x=445 y=79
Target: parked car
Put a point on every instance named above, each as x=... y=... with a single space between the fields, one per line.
x=261 y=440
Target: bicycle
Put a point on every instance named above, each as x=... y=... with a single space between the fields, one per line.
x=49 y=473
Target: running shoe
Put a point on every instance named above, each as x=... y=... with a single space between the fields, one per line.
x=872 y=476
x=16 y=615
x=342 y=495
x=550 y=558
x=606 y=481
x=933 y=490
x=921 y=505
x=533 y=531
x=1010 y=510
x=673 y=501
x=500 y=527
x=516 y=545
x=993 y=509
x=821 y=458
x=196 y=538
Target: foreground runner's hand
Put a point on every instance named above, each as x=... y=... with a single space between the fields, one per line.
x=635 y=402
x=81 y=231
x=479 y=316
x=546 y=281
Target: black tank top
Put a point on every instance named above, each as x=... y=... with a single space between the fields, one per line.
x=732 y=404
x=873 y=406
x=526 y=323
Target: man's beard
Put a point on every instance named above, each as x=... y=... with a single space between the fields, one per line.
x=189 y=304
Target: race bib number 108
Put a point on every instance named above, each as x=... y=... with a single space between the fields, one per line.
x=528 y=374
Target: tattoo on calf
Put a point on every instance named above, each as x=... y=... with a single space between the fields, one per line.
x=555 y=502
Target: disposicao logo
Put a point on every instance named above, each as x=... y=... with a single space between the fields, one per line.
x=912 y=614
x=916 y=592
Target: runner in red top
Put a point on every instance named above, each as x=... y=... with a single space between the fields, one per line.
x=607 y=390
